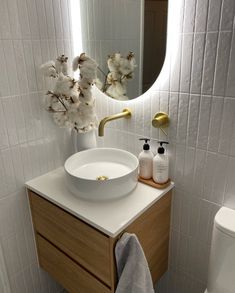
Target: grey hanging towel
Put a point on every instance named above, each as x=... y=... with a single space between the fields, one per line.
x=132 y=267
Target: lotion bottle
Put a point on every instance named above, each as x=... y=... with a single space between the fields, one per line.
x=161 y=165
x=146 y=161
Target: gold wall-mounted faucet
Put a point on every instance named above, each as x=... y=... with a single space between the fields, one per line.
x=126 y=113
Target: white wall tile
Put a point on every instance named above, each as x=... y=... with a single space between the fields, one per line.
x=4 y=82
x=214 y=15
x=197 y=63
x=204 y=120
x=232 y=143
x=222 y=62
x=214 y=181
x=58 y=18
x=30 y=66
x=173 y=114
x=228 y=10
x=182 y=118
x=9 y=118
x=186 y=62
x=215 y=123
x=189 y=16
x=229 y=198
x=9 y=246
x=175 y=64
x=188 y=169
x=209 y=62
x=42 y=16
x=199 y=172
x=179 y=165
x=24 y=19
x=20 y=56
x=11 y=66
x=228 y=119
x=66 y=18
x=201 y=15
x=5 y=29
x=194 y=104
x=230 y=91
x=14 y=19
x=3 y=130
x=33 y=18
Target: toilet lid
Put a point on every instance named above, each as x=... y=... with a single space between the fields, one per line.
x=225 y=221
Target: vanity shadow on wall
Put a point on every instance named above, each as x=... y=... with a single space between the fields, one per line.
x=138 y=26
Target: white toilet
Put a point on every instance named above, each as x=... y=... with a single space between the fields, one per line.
x=221 y=276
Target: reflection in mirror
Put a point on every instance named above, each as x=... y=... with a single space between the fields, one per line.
x=127 y=38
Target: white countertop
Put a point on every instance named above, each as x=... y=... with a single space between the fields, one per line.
x=110 y=217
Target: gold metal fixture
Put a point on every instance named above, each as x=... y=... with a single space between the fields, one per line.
x=161 y=120
x=102 y=178
x=126 y=113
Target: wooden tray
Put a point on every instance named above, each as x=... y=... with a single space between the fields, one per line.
x=154 y=184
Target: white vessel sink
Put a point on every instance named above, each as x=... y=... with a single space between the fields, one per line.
x=101 y=173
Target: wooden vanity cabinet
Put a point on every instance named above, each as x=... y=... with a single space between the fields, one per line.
x=81 y=258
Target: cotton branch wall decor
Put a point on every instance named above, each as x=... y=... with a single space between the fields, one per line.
x=71 y=102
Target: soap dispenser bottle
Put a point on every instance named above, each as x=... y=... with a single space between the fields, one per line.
x=161 y=165
x=146 y=161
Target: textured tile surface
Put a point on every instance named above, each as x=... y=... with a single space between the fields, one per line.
x=30 y=144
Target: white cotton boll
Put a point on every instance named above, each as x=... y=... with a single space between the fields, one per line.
x=85 y=96
x=85 y=83
x=133 y=64
x=62 y=85
x=113 y=62
x=113 y=77
x=87 y=115
x=61 y=119
x=56 y=105
x=48 y=69
x=65 y=85
x=125 y=66
x=52 y=103
x=61 y=64
x=98 y=83
x=88 y=72
x=65 y=68
x=85 y=118
x=73 y=107
x=111 y=65
x=117 y=91
x=58 y=66
x=83 y=60
x=75 y=63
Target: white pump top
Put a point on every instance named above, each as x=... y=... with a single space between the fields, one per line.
x=225 y=221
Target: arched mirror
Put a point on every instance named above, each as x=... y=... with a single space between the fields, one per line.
x=127 y=38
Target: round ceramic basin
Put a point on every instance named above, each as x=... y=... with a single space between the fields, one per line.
x=101 y=173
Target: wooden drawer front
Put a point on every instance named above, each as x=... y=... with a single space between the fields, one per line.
x=78 y=240
x=152 y=229
x=69 y=274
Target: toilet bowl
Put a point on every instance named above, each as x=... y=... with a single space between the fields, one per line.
x=221 y=274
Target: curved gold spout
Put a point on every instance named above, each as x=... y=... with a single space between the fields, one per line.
x=126 y=113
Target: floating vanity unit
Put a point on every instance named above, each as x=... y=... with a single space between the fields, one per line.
x=76 y=238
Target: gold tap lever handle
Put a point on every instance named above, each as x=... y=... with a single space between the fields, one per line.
x=161 y=120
